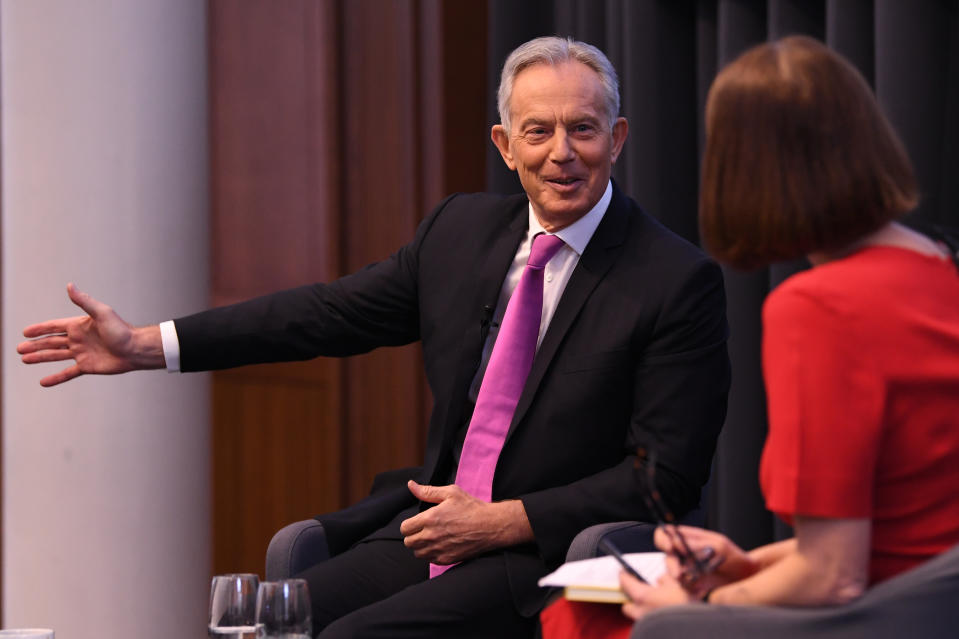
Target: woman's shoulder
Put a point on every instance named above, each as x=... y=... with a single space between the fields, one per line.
x=875 y=275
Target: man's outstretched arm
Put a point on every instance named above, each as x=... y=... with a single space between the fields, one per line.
x=100 y=342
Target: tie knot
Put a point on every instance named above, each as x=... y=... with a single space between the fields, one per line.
x=543 y=250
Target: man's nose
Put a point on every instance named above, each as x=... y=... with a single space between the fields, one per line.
x=561 y=150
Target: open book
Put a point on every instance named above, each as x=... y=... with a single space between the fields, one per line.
x=598 y=579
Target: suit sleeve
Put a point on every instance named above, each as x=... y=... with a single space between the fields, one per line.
x=376 y=306
x=680 y=381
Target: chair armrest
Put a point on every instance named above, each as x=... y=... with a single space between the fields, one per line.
x=295 y=548
x=701 y=621
x=628 y=536
x=917 y=603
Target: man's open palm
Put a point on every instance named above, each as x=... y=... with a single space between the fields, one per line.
x=100 y=342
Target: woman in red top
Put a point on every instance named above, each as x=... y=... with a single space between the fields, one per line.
x=860 y=353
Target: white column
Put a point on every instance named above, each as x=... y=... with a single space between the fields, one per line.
x=104 y=155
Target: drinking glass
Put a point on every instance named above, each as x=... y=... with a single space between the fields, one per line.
x=283 y=610
x=233 y=607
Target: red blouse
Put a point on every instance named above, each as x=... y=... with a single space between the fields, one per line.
x=861 y=363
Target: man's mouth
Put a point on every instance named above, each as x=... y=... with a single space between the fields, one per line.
x=563 y=181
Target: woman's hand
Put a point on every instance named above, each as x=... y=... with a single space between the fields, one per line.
x=644 y=597
x=720 y=560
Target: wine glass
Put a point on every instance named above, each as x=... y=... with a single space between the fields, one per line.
x=233 y=606
x=283 y=610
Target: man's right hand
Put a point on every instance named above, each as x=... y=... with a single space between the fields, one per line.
x=100 y=342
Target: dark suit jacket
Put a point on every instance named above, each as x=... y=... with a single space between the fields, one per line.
x=635 y=354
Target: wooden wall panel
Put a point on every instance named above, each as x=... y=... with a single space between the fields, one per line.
x=382 y=198
x=414 y=114
x=277 y=432
x=465 y=128
x=275 y=202
x=275 y=140
x=335 y=126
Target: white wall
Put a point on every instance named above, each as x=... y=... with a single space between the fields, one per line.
x=105 y=480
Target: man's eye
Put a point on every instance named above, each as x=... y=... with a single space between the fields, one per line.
x=583 y=128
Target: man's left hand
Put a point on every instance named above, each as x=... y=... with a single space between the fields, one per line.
x=461 y=526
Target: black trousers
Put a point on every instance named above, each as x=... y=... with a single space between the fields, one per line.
x=379 y=589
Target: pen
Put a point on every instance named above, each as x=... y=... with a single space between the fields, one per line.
x=610 y=548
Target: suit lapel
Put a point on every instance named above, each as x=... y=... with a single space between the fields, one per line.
x=602 y=250
x=478 y=294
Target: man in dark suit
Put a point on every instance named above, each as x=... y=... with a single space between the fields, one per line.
x=631 y=352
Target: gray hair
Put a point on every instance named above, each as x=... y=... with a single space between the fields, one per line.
x=553 y=50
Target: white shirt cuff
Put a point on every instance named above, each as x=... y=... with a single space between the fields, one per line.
x=171 y=346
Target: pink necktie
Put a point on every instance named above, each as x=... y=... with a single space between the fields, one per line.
x=506 y=373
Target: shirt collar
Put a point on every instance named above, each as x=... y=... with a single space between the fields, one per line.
x=578 y=234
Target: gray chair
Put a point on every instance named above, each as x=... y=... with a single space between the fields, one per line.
x=922 y=602
x=302 y=544
x=295 y=548
x=628 y=536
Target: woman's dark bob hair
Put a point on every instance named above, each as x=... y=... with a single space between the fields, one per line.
x=799 y=158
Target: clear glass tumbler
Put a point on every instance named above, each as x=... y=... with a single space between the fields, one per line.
x=233 y=607
x=283 y=610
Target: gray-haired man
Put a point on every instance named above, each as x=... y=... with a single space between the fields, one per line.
x=630 y=351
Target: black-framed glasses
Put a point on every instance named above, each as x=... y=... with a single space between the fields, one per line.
x=694 y=566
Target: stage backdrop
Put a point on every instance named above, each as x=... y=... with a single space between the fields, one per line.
x=335 y=126
x=667 y=54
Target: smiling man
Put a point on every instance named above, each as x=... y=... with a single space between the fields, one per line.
x=561 y=136
x=546 y=377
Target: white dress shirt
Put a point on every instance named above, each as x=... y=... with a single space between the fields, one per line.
x=555 y=276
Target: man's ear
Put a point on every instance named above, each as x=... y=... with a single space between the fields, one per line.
x=501 y=139
x=620 y=131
